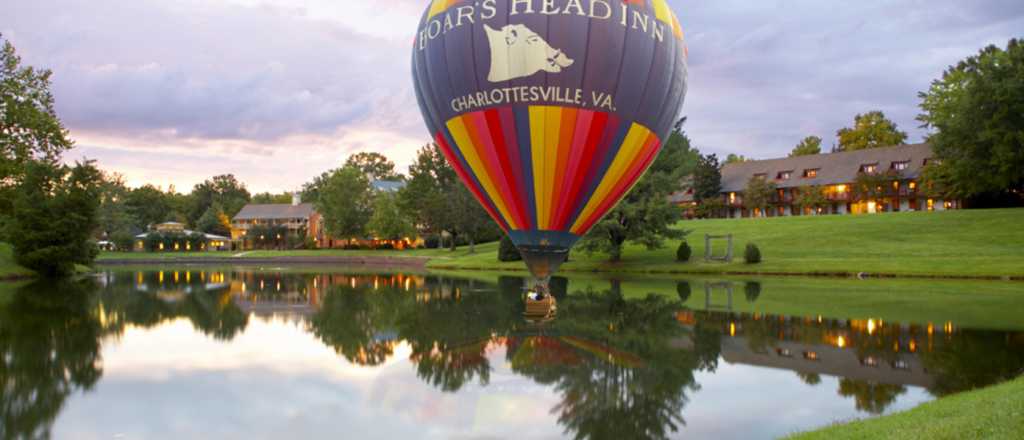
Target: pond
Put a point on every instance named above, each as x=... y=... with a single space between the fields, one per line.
x=202 y=352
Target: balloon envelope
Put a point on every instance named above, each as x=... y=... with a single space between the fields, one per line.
x=549 y=110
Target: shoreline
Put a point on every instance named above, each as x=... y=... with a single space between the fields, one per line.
x=424 y=263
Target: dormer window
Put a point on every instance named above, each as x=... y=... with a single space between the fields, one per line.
x=869 y=168
x=784 y=175
x=761 y=176
x=811 y=173
x=900 y=166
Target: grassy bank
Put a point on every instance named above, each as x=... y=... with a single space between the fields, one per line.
x=991 y=413
x=8 y=268
x=979 y=243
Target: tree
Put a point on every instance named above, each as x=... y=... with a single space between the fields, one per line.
x=345 y=202
x=809 y=146
x=977 y=111
x=733 y=158
x=148 y=206
x=225 y=190
x=115 y=218
x=214 y=221
x=643 y=216
x=374 y=165
x=868 y=186
x=870 y=130
x=707 y=179
x=424 y=197
x=469 y=219
x=811 y=196
x=29 y=127
x=388 y=222
x=54 y=216
x=758 y=194
x=267 y=198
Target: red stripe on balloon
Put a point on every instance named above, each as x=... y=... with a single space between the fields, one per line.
x=604 y=130
x=483 y=144
x=513 y=198
x=635 y=170
x=467 y=178
x=512 y=158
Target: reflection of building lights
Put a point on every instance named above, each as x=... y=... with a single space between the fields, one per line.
x=871 y=326
x=161 y=277
x=819 y=319
x=352 y=282
x=138 y=276
x=261 y=284
x=948 y=327
x=243 y=287
x=408 y=284
x=188 y=277
x=841 y=342
x=732 y=329
x=278 y=286
x=913 y=346
x=175 y=277
x=931 y=329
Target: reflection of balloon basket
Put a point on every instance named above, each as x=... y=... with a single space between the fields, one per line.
x=540 y=310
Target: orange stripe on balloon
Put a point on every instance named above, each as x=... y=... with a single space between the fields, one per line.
x=446 y=150
x=464 y=131
x=580 y=144
x=630 y=178
x=565 y=145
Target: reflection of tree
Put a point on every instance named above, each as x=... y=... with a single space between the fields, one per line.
x=49 y=347
x=351 y=319
x=213 y=313
x=634 y=384
x=871 y=397
x=973 y=359
x=752 y=290
x=811 y=379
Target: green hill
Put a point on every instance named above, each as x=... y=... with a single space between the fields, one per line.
x=974 y=243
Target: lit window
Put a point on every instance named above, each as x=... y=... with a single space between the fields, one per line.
x=732 y=197
x=869 y=361
x=784 y=175
x=811 y=355
x=913 y=186
x=869 y=168
x=811 y=173
x=784 y=352
x=840 y=189
x=931 y=205
x=900 y=166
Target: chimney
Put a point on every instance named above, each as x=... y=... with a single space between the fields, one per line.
x=296 y=198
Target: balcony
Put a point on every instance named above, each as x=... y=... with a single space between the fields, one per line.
x=839 y=197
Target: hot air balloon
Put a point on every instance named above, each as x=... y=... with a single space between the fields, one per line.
x=549 y=110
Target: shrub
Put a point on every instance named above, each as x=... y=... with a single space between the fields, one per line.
x=385 y=247
x=684 y=252
x=507 y=250
x=431 y=242
x=752 y=290
x=752 y=255
x=684 y=291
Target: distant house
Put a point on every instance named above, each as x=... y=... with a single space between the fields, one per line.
x=295 y=218
x=836 y=174
x=684 y=198
x=391 y=186
x=303 y=220
x=175 y=238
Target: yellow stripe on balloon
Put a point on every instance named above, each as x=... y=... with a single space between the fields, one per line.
x=630 y=147
x=662 y=11
x=552 y=137
x=537 y=119
x=439 y=6
x=466 y=145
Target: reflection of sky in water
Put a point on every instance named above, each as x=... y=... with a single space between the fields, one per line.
x=276 y=380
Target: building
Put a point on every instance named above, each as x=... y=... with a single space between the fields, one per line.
x=294 y=218
x=302 y=221
x=836 y=174
x=175 y=238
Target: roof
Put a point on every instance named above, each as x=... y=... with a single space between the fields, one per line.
x=833 y=168
x=211 y=237
x=274 y=212
x=387 y=185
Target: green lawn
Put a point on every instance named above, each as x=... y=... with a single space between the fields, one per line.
x=991 y=413
x=8 y=268
x=953 y=243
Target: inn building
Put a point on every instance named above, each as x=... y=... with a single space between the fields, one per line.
x=835 y=174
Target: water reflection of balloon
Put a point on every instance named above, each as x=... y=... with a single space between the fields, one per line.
x=549 y=112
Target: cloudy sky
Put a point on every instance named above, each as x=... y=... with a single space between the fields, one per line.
x=277 y=91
